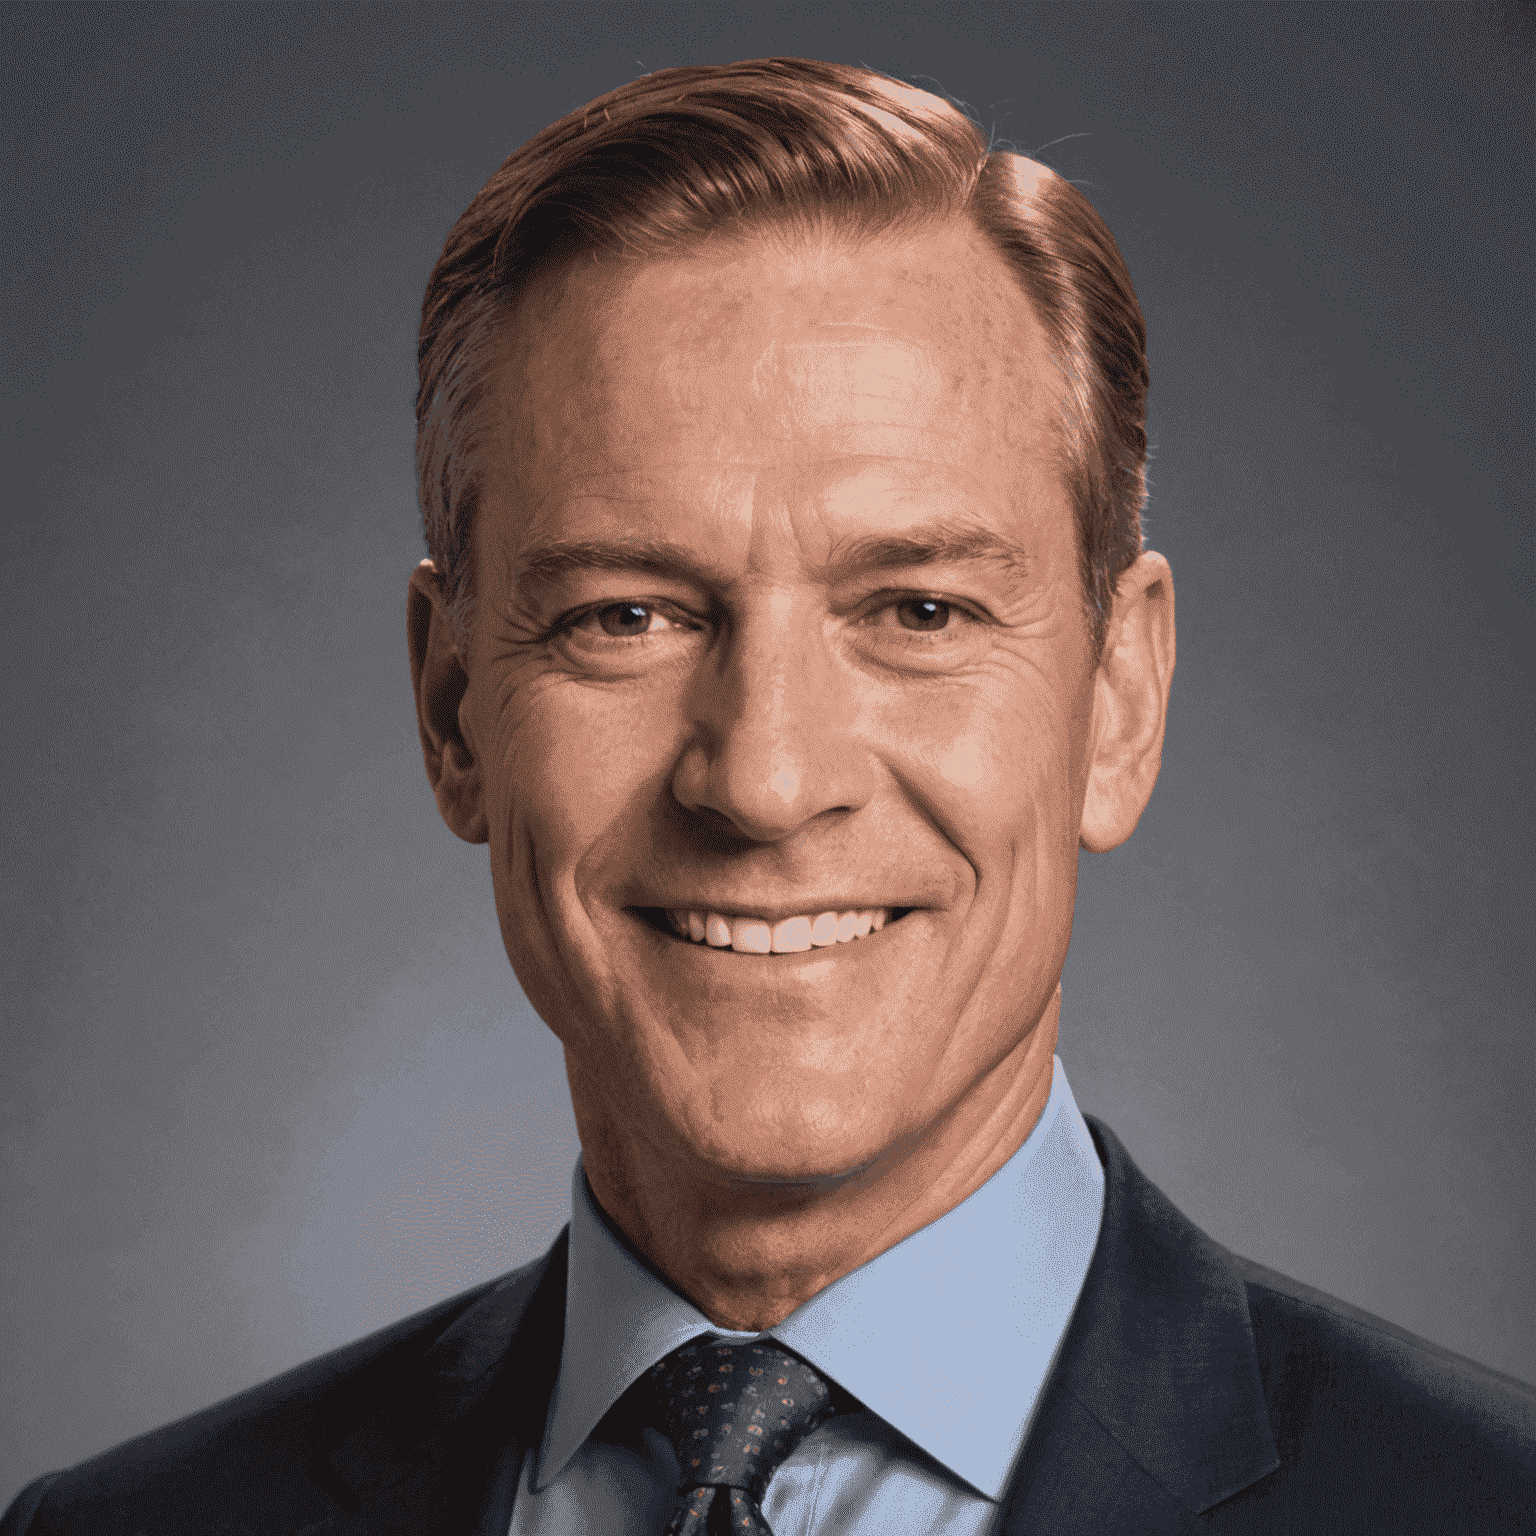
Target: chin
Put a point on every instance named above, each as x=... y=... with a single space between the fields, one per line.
x=807 y=1142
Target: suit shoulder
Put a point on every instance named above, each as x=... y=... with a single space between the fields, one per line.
x=278 y=1430
x=1346 y=1385
x=1399 y=1361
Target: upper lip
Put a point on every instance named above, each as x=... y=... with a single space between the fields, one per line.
x=777 y=911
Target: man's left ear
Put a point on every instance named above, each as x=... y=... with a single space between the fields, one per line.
x=1130 y=704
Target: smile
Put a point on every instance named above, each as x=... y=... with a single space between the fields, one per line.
x=757 y=936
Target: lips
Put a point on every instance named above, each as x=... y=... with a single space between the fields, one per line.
x=788 y=936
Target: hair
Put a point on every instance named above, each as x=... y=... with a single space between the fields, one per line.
x=685 y=155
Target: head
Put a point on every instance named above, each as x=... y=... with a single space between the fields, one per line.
x=782 y=459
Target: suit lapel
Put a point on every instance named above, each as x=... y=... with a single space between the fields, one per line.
x=443 y=1454
x=1155 y=1411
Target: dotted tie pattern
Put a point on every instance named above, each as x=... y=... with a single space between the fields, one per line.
x=733 y=1413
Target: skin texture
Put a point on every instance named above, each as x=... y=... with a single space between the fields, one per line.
x=765 y=722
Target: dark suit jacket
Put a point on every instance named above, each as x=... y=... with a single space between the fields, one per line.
x=1195 y=1392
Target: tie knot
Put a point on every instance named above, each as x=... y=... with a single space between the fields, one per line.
x=735 y=1412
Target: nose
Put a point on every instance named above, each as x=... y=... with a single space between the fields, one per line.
x=775 y=739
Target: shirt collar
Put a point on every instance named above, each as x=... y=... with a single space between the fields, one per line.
x=948 y=1335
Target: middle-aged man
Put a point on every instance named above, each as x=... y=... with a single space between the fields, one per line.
x=787 y=632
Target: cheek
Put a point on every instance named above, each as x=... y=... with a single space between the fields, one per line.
x=997 y=759
x=968 y=764
x=996 y=768
x=575 y=760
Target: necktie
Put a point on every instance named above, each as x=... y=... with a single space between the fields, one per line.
x=733 y=1412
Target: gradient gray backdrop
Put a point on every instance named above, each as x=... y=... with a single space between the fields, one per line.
x=269 y=1081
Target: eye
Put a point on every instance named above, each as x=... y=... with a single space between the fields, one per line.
x=925 y=614
x=623 y=621
x=904 y=619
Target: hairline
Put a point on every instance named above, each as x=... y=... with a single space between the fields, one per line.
x=543 y=283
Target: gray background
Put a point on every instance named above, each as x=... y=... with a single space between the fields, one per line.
x=268 y=1079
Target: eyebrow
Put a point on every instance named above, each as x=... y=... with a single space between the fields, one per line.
x=940 y=544
x=545 y=564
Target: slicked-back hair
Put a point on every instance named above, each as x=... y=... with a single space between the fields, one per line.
x=685 y=155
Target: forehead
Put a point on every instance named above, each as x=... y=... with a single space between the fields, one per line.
x=910 y=359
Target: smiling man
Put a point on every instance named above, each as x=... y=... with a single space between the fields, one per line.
x=780 y=714
x=787 y=632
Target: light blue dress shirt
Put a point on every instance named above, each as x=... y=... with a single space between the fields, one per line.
x=946 y=1339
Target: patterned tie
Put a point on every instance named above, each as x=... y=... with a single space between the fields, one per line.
x=733 y=1413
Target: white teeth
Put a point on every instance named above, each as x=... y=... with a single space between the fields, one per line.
x=756 y=936
x=792 y=935
x=751 y=935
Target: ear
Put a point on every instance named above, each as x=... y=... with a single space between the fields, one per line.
x=440 y=682
x=1130 y=704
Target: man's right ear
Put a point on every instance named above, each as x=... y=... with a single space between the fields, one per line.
x=440 y=682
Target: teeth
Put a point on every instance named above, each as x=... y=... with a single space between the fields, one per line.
x=751 y=935
x=792 y=935
x=756 y=936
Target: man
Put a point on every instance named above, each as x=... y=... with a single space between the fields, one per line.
x=786 y=633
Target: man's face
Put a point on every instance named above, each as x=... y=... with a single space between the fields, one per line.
x=779 y=614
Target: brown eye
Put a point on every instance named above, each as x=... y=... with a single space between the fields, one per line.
x=923 y=613
x=624 y=619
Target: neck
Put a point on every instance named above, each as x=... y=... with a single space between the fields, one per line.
x=748 y=1257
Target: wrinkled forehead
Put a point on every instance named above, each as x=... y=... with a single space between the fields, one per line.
x=919 y=347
